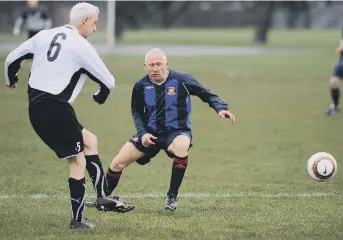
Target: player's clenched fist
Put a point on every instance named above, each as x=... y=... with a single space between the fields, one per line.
x=148 y=140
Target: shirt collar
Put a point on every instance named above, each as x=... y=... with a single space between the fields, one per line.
x=71 y=27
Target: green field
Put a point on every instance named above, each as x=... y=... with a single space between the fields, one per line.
x=258 y=163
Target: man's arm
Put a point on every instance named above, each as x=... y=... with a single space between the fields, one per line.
x=18 y=23
x=16 y=59
x=137 y=110
x=96 y=70
x=195 y=88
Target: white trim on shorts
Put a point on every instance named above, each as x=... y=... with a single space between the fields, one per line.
x=70 y=156
x=185 y=134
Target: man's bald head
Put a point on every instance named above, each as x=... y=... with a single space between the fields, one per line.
x=156 y=65
x=155 y=53
x=32 y=3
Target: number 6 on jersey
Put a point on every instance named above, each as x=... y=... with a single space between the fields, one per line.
x=56 y=44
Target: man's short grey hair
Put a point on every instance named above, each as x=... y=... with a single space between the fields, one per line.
x=156 y=51
x=82 y=10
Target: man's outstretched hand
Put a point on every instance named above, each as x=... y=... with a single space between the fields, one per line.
x=227 y=114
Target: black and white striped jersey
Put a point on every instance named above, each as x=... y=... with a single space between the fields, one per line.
x=62 y=59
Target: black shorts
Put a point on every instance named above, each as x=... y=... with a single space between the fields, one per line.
x=56 y=124
x=162 y=142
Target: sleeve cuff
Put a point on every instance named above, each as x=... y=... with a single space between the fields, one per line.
x=221 y=109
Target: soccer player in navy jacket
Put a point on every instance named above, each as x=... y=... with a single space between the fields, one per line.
x=161 y=107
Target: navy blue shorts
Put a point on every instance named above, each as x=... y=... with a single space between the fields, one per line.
x=338 y=69
x=162 y=142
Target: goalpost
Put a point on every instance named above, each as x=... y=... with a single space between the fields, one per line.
x=111 y=18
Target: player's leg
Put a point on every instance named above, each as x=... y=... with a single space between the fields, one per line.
x=54 y=124
x=93 y=163
x=178 y=146
x=127 y=155
x=96 y=173
x=335 y=95
x=335 y=90
x=132 y=151
x=77 y=186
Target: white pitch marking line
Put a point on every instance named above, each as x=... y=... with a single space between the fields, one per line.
x=187 y=195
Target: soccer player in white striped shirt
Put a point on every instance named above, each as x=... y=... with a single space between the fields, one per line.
x=62 y=58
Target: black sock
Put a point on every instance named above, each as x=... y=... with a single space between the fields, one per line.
x=112 y=180
x=178 y=171
x=335 y=94
x=77 y=195
x=96 y=173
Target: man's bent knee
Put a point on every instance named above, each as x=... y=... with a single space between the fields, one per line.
x=118 y=166
x=90 y=142
x=180 y=146
x=334 y=82
x=127 y=155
